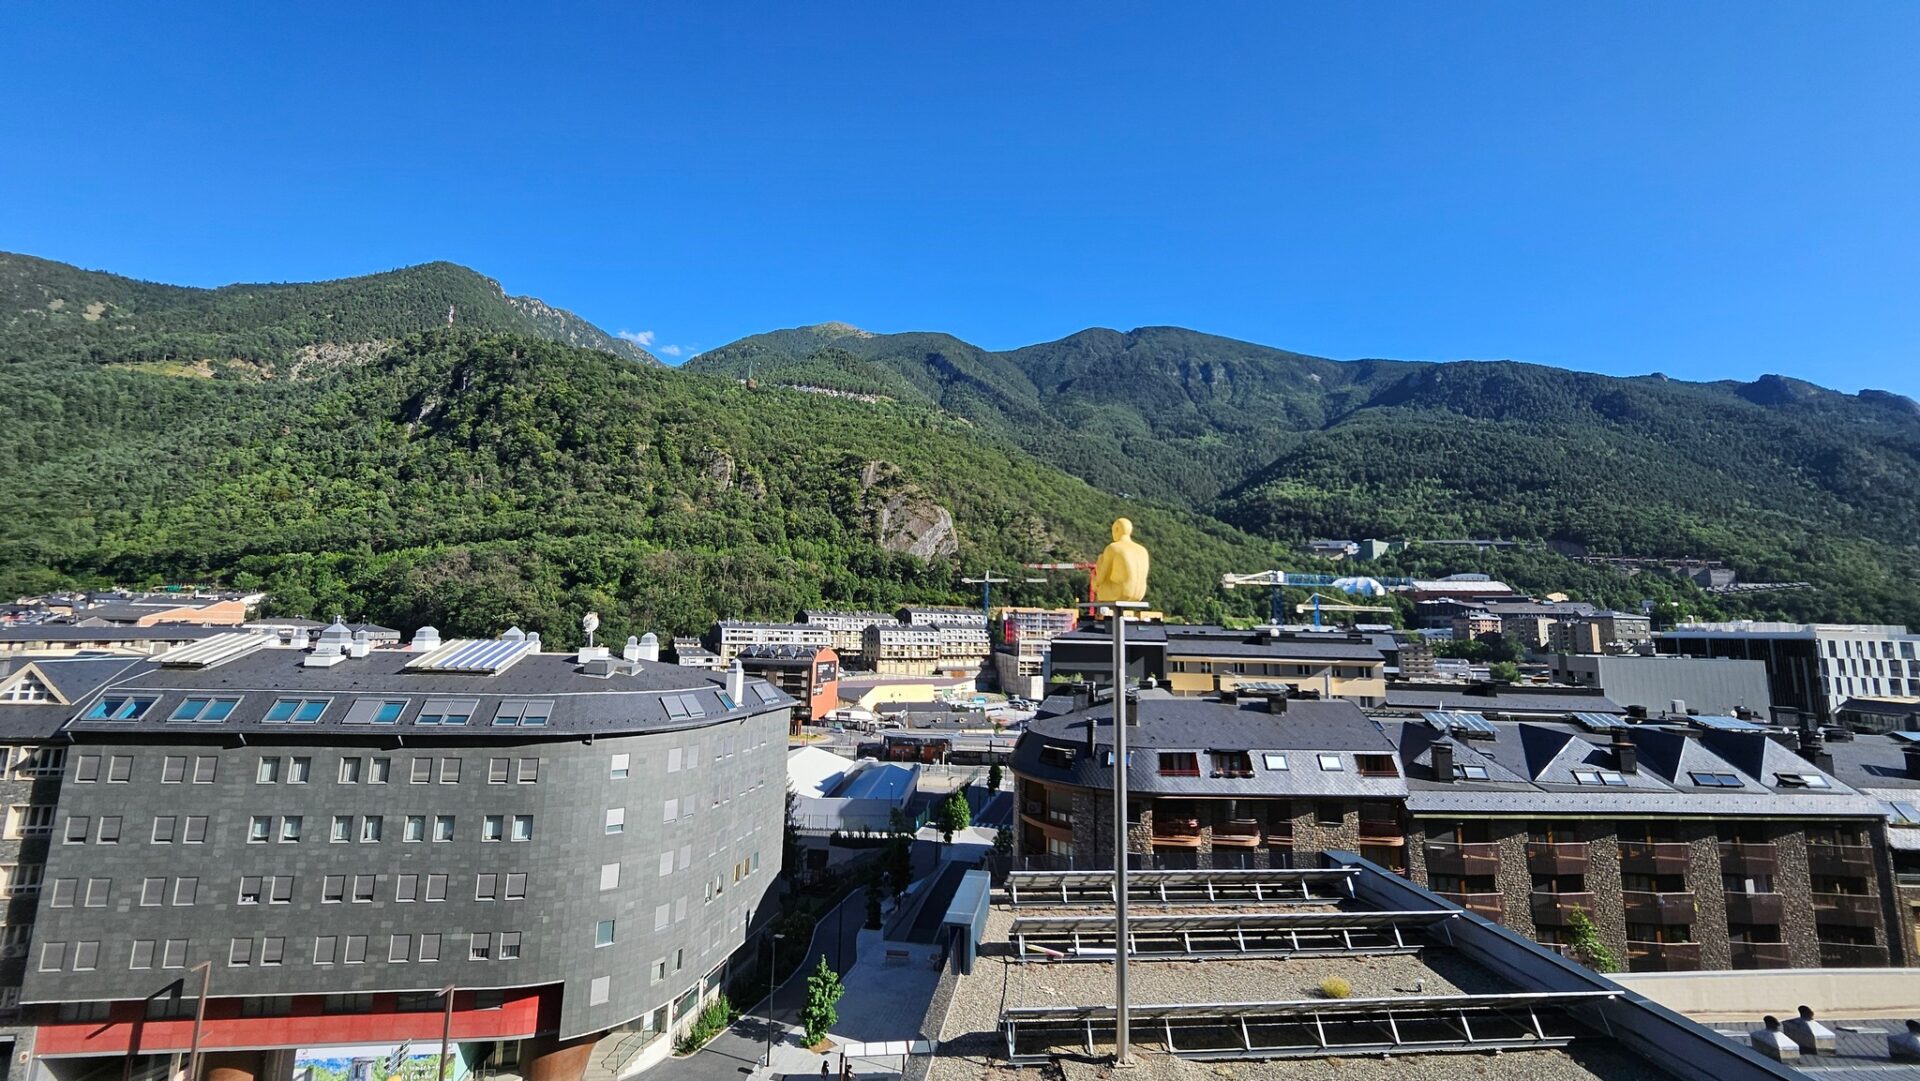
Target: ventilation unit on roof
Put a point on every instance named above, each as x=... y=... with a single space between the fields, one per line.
x=209 y=652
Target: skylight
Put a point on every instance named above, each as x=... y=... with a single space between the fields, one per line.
x=1470 y=773
x=682 y=707
x=1599 y=777
x=119 y=709
x=1274 y=762
x=524 y=714
x=1803 y=780
x=204 y=710
x=1330 y=763
x=296 y=710
x=1706 y=779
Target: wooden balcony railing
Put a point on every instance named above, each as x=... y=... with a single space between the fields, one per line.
x=1555 y=909
x=1846 y=861
x=1663 y=908
x=1557 y=857
x=1852 y=955
x=1743 y=858
x=1755 y=908
x=1663 y=956
x=1847 y=909
x=1491 y=905
x=1450 y=858
x=1760 y=954
x=1655 y=857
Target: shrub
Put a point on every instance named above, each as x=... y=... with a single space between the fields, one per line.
x=712 y=1022
x=1335 y=987
x=1586 y=946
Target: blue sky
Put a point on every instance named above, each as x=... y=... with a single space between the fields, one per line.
x=1708 y=190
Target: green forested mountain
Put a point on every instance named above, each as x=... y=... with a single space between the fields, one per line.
x=1783 y=479
x=337 y=445
x=52 y=311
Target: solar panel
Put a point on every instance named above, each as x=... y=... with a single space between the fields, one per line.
x=481 y=655
x=1906 y=737
x=1727 y=724
x=211 y=651
x=1471 y=723
x=1600 y=722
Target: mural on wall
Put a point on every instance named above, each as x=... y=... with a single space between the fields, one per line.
x=375 y=1062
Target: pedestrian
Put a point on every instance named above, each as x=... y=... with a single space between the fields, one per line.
x=823 y=1068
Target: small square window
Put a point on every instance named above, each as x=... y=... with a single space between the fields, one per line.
x=616 y=820
x=480 y=947
x=523 y=827
x=603 y=934
x=509 y=945
x=1330 y=763
x=1275 y=762
x=620 y=766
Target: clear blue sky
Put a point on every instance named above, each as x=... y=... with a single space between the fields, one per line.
x=1708 y=190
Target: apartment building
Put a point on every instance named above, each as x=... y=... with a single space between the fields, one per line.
x=1655 y=683
x=729 y=636
x=1601 y=632
x=1199 y=659
x=848 y=630
x=1044 y=624
x=943 y=616
x=65 y=639
x=808 y=674
x=1886 y=767
x=1813 y=667
x=1703 y=844
x=575 y=845
x=901 y=649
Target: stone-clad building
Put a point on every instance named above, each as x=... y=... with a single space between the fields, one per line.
x=1709 y=843
x=576 y=845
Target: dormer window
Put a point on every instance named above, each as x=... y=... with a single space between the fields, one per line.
x=1470 y=773
x=1231 y=763
x=1382 y=765
x=1179 y=764
x=1802 y=780
x=1056 y=756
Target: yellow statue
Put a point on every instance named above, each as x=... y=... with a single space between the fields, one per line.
x=1121 y=574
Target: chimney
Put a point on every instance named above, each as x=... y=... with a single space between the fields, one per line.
x=1626 y=757
x=1443 y=760
x=1638 y=713
x=632 y=651
x=1813 y=747
x=1133 y=709
x=737 y=682
x=361 y=645
x=1677 y=707
x=425 y=640
x=1912 y=752
x=1276 y=703
x=649 y=647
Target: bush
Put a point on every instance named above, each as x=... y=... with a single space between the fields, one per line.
x=1335 y=987
x=1586 y=946
x=712 y=1022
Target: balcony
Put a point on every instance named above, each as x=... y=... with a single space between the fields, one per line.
x=1553 y=909
x=1765 y=909
x=1666 y=908
x=1760 y=954
x=1491 y=905
x=1847 y=909
x=1843 y=861
x=1381 y=833
x=1852 y=955
x=1557 y=858
x=1663 y=956
x=1742 y=858
x=1449 y=858
x=1238 y=833
x=1655 y=857
x=1176 y=832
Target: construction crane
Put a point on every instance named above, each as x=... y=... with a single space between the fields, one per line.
x=986 y=585
x=1332 y=605
x=1088 y=567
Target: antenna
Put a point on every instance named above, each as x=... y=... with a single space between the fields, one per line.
x=590 y=623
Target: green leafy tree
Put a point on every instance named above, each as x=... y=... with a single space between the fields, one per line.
x=953 y=815
x=993 y=777
x=1504 y=672
x=1586 y=946
x=819 y=1016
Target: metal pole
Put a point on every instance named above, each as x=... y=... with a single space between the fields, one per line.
x=1122 y=1055
x=446 y=1029
x=773 y=986
x=199 y=1019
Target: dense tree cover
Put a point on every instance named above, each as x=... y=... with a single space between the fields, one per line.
x=1783 y=480
x=476 y=481
x=52 y=311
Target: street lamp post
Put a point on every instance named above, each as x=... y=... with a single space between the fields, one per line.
x=446 y=1029
x=205 y=968
x=1123 y=1054
x=773 y=985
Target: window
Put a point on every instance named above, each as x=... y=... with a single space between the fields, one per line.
x=486 y=887
x=1275 y=762
x=1330 y=763
x=342 y=828
x=249 y=890
x=1604 y=777
x=379 y=770
x=523 y=827
x=517 y=885
x=86 y=769
x=662 y=917
x=480 y=947
x=670 y=810
x=673 y=760
x=509 y=945
x=268 y=772
x=1179 y=764
x=78 y=826
x=436 y=887
x=658 y=972
x=349 y=771
x=53 y=956
x=498 y=770
x=280 y=890
x=399 y=948
x=603 y=934
x=296 y=710
x=241 y=952
x=1231 y=763
x=85 y=956
x=446 y=711
x=1706 y=779
x=420 y=771
x=620 y=767
x=681 y=707
x=1470 y=773
x=173 y=769
x=523 y=714
x=609 y=876
x=185 y=890
x=109 y=832
x=153 y=892
x=363 y=889
x=429 y=948
x=271 y=952
x=443 y=827
x=1802 y=780
x=666 y=864
x=333 y=889
x=347 y=1004
x=616 y=820
x=299 y=770
x=61 y=896
x=1329 y=813
x=325 y=951
x=449 y=771
x=30 y=820
x=204 y=768
x=118 y=709
x=259 y=829
x=355 y=952
x=1378 y=765
x=529 y=772
x=415 y=829
x=376 y=711
x=119 y=769
x=142 y=957
x=173 y=954
x=493 y=827
x=406 y=888
x=204 y=710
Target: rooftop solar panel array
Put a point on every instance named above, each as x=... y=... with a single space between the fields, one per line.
x=1601 y=722
x=212 y=651
x=1727 y=724
x=482 y=655
x=1470 y=724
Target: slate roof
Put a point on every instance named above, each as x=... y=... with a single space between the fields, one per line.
x=68 y=632
x=582 y=704
x=1536 y=700
x=72 y=677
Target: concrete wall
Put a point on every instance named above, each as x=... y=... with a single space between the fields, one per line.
x=1749 y=996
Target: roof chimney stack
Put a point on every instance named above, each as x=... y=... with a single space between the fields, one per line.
x=425 y=640
x=737 y=682
x=1626 y=756
x=632 y=651
x=361 y=645
x=1443 y=760
x=649 y=647
x=1813 y=746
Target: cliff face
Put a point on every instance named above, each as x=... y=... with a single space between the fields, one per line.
x=904 y=517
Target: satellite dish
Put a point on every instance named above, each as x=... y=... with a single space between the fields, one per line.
x=590 y=623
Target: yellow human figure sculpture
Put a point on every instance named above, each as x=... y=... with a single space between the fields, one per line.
x=1121 y=573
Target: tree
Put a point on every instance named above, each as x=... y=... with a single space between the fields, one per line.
x=993 y=777
x=823 y=991
x=1586 y=945
x=953 y=816
x=790 y=835
x=1504 y=672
